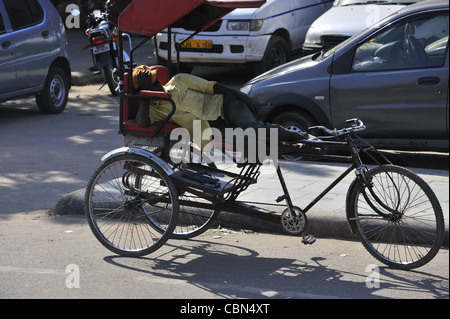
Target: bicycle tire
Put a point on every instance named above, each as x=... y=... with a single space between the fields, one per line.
x=408 y=230
x=108 y=77
x=131 y=205
x=193 y=220
x=193 y=217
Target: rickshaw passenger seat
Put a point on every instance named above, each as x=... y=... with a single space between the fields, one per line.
x=163 y=73
x=131 y=105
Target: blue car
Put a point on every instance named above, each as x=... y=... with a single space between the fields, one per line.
x=393 y=75
x=33 y=55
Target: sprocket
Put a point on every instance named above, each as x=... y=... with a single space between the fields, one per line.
x=295 y=224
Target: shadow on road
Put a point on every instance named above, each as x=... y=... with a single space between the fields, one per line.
x=223 y=270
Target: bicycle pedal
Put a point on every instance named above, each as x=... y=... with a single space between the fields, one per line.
x=309 y=240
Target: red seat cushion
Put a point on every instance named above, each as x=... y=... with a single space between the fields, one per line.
x=159 y=94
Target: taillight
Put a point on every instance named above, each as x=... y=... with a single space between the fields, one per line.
x=98 y=40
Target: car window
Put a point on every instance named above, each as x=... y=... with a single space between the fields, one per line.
x=420 y=43
x=23 y=13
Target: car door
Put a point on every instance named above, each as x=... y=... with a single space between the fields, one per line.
x=398 y=83
x=7 y=67
x=33 y=40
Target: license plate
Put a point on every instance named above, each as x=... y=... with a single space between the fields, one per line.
x=100 y=48
x=198 y=44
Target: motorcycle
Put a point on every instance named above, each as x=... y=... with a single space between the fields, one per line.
x=103 y=42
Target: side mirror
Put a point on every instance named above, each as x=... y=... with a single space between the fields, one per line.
x=343 y=64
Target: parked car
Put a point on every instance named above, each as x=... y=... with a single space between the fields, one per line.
x=33 y=55
x=345 y=19
x=393 y=76
x=265 y=37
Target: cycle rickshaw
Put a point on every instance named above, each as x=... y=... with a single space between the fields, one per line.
x=138 y=199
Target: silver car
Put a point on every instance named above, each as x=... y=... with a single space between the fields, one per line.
x=345 y=19
x=33 y=56
x=393 y=75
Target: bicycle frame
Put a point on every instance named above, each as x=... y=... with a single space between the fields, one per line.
x=230 y=205
x=356 y=165
x=135 y=21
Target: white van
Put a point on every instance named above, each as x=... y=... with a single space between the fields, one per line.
x=345 y=19
x=265 y=37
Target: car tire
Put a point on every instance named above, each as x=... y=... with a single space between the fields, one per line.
x=297 y=122
x=277 y=53
x=53 y=98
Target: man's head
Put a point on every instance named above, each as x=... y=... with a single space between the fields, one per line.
x=144 y=78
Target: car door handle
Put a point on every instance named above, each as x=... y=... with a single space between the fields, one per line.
x=6 y=45
x=429 y=81
x=45 y=34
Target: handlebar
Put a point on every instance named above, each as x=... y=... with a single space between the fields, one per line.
x=357 y=126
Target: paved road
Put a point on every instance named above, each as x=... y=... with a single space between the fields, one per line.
x=57 y=257
x=45 y=158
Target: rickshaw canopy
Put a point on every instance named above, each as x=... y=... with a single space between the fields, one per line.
x=149 y=17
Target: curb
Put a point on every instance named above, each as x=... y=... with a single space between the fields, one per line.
x=82 y=79
x=319 y=224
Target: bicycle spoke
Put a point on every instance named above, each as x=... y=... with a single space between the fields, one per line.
x=399 y=220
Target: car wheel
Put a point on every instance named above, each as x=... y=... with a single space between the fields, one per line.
x=276 y=54
x=53 y=99
x=296 y=122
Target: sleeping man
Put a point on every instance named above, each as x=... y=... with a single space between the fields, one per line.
x=200 y=101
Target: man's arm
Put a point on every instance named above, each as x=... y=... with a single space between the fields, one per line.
x=220 y=89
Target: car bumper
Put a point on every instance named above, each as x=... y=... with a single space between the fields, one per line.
x=311 y=49
x=226 y=49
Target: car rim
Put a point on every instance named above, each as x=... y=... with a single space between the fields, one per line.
x=292 y=128
x=277 y=57
x=57 y=91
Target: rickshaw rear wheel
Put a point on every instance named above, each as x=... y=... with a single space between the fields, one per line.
x=131 y=205
x=193 y=219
